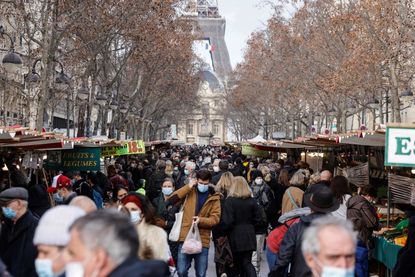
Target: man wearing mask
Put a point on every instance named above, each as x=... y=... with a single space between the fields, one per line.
x=16 y=241
x=105 y=243
x=223 y=167
x=63 y=190
x=329 y=247
x=202 y=206
x=51 y=237
x=189 y=168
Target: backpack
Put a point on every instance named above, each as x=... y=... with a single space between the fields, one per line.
x=98 y=199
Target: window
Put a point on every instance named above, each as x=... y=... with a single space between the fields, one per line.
x=216 y=129
x=189 y=129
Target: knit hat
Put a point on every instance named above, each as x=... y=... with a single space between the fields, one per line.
x=255 y=174
x=53 y=227
x=133 y=198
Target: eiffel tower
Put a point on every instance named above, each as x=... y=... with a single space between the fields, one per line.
x=211 y=26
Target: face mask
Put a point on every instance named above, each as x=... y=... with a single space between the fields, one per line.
x=135 y=216
x=258 y=181
x=58 y=198
x=331 y=271
x=8 y=212
x=44 y=268
x=186 y=172
x=216 y=168
x=202 y=188
x=74 y=269
x=133 y=165
x=167 y=191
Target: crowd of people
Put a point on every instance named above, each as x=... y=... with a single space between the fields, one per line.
x=155 y=215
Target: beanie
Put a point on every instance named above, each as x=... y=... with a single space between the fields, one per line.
x=132 y=198
x=255 y=174
x=53 y=227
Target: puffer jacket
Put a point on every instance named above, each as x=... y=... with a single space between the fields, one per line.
x=364 y=218
x=209 y=213
x=290 y=249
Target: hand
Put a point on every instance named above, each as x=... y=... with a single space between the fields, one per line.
x=196 y=220
x=192 y=182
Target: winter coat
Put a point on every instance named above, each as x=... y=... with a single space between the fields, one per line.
x=3 y=270
x=16 y=245
x=364 y=217
x=68 y=199
x=133 y=267
x=153 y=189
x=290 y=249
x=293 y=202
x=216 y=177
x=240 y=217
x=152 y=242
x=404 y=265
x=209 y=213
x=38 y=199
x=265 y=198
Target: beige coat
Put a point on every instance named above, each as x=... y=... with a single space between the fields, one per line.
x=287 y=203
x=209 y=214
x=152 y=242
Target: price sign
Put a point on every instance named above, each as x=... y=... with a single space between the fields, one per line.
x=133 y=147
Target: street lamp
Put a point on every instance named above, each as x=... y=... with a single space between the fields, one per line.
x=373 y=103
x=113 y=105
x=407 y=94
x=11 y=61
x=101 y=99
x=332 y=111
x=123 y=109
x=83 y=93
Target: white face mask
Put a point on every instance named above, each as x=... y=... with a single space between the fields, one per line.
x=74 y=269
x=258 y=181
x=216 y=168
x=135 y=216
x=331 y=271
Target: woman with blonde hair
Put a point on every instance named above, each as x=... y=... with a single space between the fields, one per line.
x=240 y=216
x=224 y=184
x=293 y=196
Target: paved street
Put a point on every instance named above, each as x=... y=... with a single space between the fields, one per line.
x=211 y=269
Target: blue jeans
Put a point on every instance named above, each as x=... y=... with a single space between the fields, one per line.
x=184 y=261
x=271 y=258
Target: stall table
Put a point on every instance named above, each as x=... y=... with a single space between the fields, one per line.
x=386 y=252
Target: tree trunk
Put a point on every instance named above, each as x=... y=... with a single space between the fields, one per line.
x=396 y=114
x=81 y=121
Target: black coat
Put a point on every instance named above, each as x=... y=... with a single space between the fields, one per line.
x=290 y=249
x=216 y=177
x=16 y=245
x=133 y=267
x=404 y=265
x=153 y=189
x=240 y=216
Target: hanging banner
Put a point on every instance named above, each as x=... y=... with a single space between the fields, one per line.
x=133 y=147
x=249 y=150
x=78 y=159
x=400 y=146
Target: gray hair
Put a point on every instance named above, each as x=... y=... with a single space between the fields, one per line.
x=310 y=242
x=190 y=164
x=109 y=230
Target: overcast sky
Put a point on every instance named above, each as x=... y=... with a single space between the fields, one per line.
x=242 y=18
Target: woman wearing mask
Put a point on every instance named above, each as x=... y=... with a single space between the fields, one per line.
x=152 y=239
x=160 y=203
x=120 y=193
x=240 y=216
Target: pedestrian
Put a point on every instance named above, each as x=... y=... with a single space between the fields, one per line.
x=223 y=167
x=293 y=195
x=223 y=252
x=329 y=247
x=363 y=215
x=321 y=202
x=189 y=168
x=105 y=243
x=202 y=206
x=263 y=194
x=81 y=186
x=17 y=231
x=404 y=265
x=153 y=189
x=120 y=193
x=63 y=190
x=152 y=239
x=341 y=190
x=51 y=237
x=240 y=216
x=85 y=203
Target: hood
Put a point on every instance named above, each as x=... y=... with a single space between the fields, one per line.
x=307 y=219
x=355 y=202
x=293 y=214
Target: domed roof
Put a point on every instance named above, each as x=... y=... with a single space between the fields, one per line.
x=212 y=80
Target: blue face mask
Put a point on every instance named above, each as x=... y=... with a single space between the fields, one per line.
x=44 y=268
x=167 y=191
x=8 y=212
x=186 y=172
x=202 y=188
x=58 y=198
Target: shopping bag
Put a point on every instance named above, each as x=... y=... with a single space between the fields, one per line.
x=177 y=226
x=192 y=244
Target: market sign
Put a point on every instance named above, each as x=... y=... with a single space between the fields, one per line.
x=133 y=147
x=78 y=159
x=249 y=150
x=400 y=146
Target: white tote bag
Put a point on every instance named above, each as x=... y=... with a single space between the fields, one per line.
x=177 y=226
